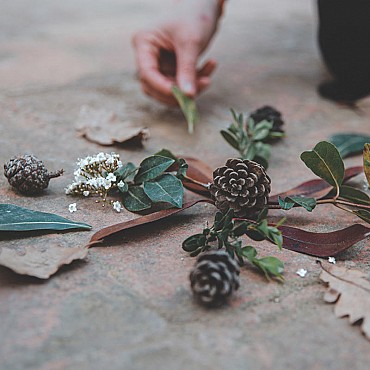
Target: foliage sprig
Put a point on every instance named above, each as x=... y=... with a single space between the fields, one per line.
x=226 y=232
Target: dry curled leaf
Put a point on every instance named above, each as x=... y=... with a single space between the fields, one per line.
x=40 y=262
x=103 y=127
x=350 y=291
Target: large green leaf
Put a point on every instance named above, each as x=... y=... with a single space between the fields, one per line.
x=188 y=108
x=14 y=218
x=325 y=161
x=152 y=167
x=135 y=199
x=354 y=195
x=349 y=143
x=167 y=188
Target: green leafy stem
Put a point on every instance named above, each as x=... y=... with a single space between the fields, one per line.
x=226 y=232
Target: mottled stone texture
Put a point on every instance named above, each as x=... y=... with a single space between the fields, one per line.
x=129 y=305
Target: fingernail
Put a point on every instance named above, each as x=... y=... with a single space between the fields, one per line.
x=187 y=87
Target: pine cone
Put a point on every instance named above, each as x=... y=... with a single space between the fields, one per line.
x=269 y=114
x=28 y=174
x=214 y=277
x=242 y=185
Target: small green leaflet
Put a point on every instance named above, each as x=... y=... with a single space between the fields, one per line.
x=135 y=200
x=152 y=167
x=366 y=156
x=126 y=172
x=325 y=161
x=14 y=218
x=167 y=188
x=349 y=143
x=188 y=108
x=288 y=203
x=268 y=265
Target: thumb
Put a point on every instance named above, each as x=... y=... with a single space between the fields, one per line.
x=186 y=60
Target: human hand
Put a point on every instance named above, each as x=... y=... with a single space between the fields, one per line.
x=168 y=53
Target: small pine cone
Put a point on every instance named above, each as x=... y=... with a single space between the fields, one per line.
x=214 y=277
x=28 y=174
x=269 y=114
x=242 y=185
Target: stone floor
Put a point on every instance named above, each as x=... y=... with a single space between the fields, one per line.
x=129 y=306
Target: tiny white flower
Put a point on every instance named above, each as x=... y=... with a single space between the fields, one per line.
x=301 y=272
x=117 y=206
x=86 y=193
x=119 y=164
x=100 y=157
x=72 y=207
x=121 y=184
x=111 y=177
x=107 y=185
x=332 y=260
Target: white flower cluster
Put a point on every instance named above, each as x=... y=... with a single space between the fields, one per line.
x=95 y=175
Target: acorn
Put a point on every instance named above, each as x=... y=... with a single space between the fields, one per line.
x=28 y=175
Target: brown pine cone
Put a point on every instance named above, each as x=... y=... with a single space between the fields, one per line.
x=267 y=113
x=28 y=174
x=214 y=277
x=242 y=185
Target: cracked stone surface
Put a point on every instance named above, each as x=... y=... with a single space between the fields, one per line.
x=128 y=305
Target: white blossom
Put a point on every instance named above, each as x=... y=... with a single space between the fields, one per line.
x=332 y=260
x=117 y=206
x=86 y=193
x=111 y=177
x=72 y=207
x=301 y=272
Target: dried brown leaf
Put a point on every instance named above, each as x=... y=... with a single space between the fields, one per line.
x=322 y=244
x=41 y=263
x=100 y=235
x=103 y=127
x=350 y=291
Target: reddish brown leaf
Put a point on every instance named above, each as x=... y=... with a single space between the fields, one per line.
x=317 y=188
x=322 y=244
x=110 y=230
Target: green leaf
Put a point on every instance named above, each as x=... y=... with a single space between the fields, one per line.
x=188 y=107
x=126 y=172
x=270 y=266
x=366 y=159
x=14 y=218
x=364 y=214
x=193 y=242
x=261 y=130
x=167 y=188
x=122 y=187
x=152 y=167
x=230 y=138
x=135 y=199
x=354 y=195
x=325 y=161
x=183 y=168
x=166 y=153
x=288 y=203
x=249 y=252
x=349 y=143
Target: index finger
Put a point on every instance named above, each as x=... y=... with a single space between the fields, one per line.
x=148 y=64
